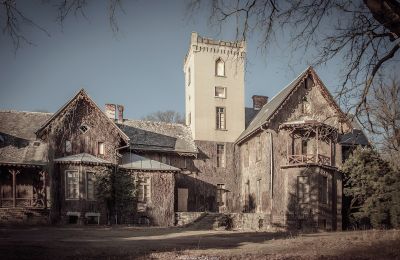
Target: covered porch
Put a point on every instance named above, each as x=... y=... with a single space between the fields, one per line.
x=23 y=186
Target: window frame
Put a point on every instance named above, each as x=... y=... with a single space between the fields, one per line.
x=84 y=131
x=98 y=148
x=220 y=61
x=215 y=92
x=67 y=144
x=67 y=192
x=219 y=122
x=87 y=185
x=140 y=183
x=221 y=158
x=305 y=198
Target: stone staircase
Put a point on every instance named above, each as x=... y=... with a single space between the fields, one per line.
x=24 y=216
x=208 y=222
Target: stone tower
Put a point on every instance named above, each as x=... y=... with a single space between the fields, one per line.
x=214 y=89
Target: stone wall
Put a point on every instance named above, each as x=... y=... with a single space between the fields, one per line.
x=159 y=210
x=184 y=218
x=26 y=216
x=250 y=221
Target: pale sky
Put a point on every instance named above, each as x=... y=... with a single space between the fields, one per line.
x=139 y=67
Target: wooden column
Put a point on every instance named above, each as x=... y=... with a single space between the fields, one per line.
x=14 y=185
x=43 y=175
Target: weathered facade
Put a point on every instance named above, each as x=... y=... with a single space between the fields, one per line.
x=273 y=165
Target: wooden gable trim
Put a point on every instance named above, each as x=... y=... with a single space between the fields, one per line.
x=85 y=95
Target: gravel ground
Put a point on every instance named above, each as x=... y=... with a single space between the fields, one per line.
x=183 y=243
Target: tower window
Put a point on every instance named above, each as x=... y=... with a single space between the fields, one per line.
x=220 y=68
x=221 y=118
x=221 y=155
x=220 y=92
x=189 y=118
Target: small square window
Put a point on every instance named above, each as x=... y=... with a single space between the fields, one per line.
x=84 y=128
x=220 y=92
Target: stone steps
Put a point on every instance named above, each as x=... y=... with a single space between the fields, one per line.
x=208 y=222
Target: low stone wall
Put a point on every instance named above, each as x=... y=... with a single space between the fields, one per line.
x=250 y=221
x=26 y=216
x=184 y=218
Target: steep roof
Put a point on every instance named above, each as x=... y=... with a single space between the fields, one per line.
x=83 y=93
x=137 y=162
x=83 y=158
x=268 y=110
x=18 y=144
x=159 y=136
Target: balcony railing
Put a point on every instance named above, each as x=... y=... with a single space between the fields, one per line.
x=22 y=202
x=296 y=159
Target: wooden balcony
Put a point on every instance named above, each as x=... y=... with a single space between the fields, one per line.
x=308 y=159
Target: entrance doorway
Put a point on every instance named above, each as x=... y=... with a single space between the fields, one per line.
x=182 y=199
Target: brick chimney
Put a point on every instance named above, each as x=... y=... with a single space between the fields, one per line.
x=110 y=111
x=120 y=113
x=259 y=101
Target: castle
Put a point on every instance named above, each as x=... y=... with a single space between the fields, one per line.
x=274 y=164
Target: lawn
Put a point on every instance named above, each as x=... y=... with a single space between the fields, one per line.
x=184 y=243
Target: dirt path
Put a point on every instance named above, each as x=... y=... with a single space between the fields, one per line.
x=173 y=243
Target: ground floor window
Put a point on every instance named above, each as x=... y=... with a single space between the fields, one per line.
x=72 y=184
x=90 y=179
x=323 y=190
x=303 y=189
x=143 y=189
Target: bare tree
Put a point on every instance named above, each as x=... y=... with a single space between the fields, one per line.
x=13 y=18
x=168 y=116
x=384 y=110
x=364 y=33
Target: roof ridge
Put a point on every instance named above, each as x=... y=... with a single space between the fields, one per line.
x=23 y=111
x=155 y=122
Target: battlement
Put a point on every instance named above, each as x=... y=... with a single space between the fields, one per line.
x=199 y=43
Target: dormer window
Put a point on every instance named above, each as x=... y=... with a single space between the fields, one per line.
x=220 y=68
x=84 y=128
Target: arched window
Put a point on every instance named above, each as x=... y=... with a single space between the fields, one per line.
x=220 y=67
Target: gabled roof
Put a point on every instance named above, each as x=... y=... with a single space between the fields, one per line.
x=159 y=136
x=82 y=158
x=137 y=162
x=270 y=109
x=83 y=93
x=18 y=144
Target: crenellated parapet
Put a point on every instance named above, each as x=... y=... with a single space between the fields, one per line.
x=229 y=48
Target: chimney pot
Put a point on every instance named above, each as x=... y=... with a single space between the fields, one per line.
x=259 y=101
x=120 y=113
